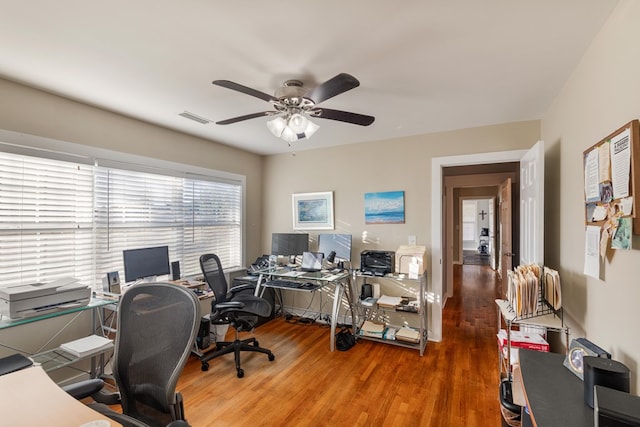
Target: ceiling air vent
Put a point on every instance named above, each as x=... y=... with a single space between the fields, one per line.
x=195 y=117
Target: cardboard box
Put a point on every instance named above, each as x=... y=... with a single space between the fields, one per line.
x=405 y=255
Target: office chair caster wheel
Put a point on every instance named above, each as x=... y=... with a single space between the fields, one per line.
x=205 y=367
x=272 y=357
x=240 y=373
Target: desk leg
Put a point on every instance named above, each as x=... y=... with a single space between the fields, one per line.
x=334 y=314
x=93 y=373
x=259 y=292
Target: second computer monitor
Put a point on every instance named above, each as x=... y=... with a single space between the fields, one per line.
x=145 y=262
x=289 y=244
x=339 y=243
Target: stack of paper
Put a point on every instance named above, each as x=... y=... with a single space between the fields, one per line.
x=408 y=334
x=372 y=329
x=388 y=301
x=389 y=334
x=87 y=346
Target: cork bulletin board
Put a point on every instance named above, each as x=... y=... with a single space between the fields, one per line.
x=611 y=183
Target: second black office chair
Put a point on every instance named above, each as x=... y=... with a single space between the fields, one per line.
x=236 y=307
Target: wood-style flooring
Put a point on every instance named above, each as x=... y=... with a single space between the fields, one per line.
x=455 y=383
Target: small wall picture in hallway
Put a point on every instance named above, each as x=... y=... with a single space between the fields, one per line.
x=384 y=208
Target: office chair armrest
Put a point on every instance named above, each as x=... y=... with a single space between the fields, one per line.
x=85 y=388
x=108 y=398
x=229 y=305
x=242 y=287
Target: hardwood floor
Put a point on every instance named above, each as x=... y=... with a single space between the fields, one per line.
x=455 y=383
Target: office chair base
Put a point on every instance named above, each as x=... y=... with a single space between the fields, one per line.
x=237 y=346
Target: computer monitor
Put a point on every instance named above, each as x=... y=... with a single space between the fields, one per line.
x=289 y=244
x=145 y=262
x=339 y=243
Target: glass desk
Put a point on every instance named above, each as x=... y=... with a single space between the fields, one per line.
x=6 y=322
x=341 y=282
x=56 y=358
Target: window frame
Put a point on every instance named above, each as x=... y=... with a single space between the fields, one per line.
x=46 y=148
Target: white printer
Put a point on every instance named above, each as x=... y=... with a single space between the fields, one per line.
x=36 y=299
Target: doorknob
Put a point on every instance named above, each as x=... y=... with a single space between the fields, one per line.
x=510 y=254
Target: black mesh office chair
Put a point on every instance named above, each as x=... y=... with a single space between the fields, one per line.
x=157 y=326
x=236 y=307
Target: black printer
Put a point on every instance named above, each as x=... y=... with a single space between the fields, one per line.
x=377 y=263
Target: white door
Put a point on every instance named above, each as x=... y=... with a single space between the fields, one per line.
x=506 y=232
x=532 y=205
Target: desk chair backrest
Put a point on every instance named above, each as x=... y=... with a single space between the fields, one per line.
x=157 y=325
x=214 y=275
x=243 y=316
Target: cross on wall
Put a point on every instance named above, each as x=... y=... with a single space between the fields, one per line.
x=482 y=214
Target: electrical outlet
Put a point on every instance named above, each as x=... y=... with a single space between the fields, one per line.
x=412 y=240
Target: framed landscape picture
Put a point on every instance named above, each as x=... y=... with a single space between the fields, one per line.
x=384 y=208
x=313 y=211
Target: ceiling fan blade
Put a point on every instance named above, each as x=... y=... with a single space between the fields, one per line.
x=244 y=89
x=343 y=116
x=246 y=117
x=332 y=87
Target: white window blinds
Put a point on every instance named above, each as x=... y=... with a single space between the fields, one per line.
x=46 y=220
x=138 y=209
x=63 y=219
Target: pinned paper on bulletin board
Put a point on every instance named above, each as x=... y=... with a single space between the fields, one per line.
x=611 y=179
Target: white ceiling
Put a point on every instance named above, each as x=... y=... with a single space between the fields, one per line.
x=424 y=65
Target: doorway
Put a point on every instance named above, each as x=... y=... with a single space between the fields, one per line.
x=475 y=182
x=476 y=222
x=529 y=219
x=467 y=168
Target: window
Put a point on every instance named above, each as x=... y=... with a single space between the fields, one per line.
x=469 y=210
x=46 y=225
x=59 y=218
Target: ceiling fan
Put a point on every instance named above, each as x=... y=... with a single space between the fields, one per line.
x=293 y=104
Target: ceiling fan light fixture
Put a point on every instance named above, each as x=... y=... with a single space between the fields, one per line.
x=289 y=135
x=298 y=123
x=276 y=126
x=311 y=129
x=292 y=128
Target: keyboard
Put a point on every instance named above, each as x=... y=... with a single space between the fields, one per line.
x=291 y=284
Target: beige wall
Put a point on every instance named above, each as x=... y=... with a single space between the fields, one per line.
x=399 y=164
x=34 y=112
x=353 y=170
x=602 y=94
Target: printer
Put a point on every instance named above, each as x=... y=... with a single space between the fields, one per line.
x=23 y=301
x=377 y=263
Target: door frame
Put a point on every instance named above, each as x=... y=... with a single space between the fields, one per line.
x=450 y=184
x=437 y=292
